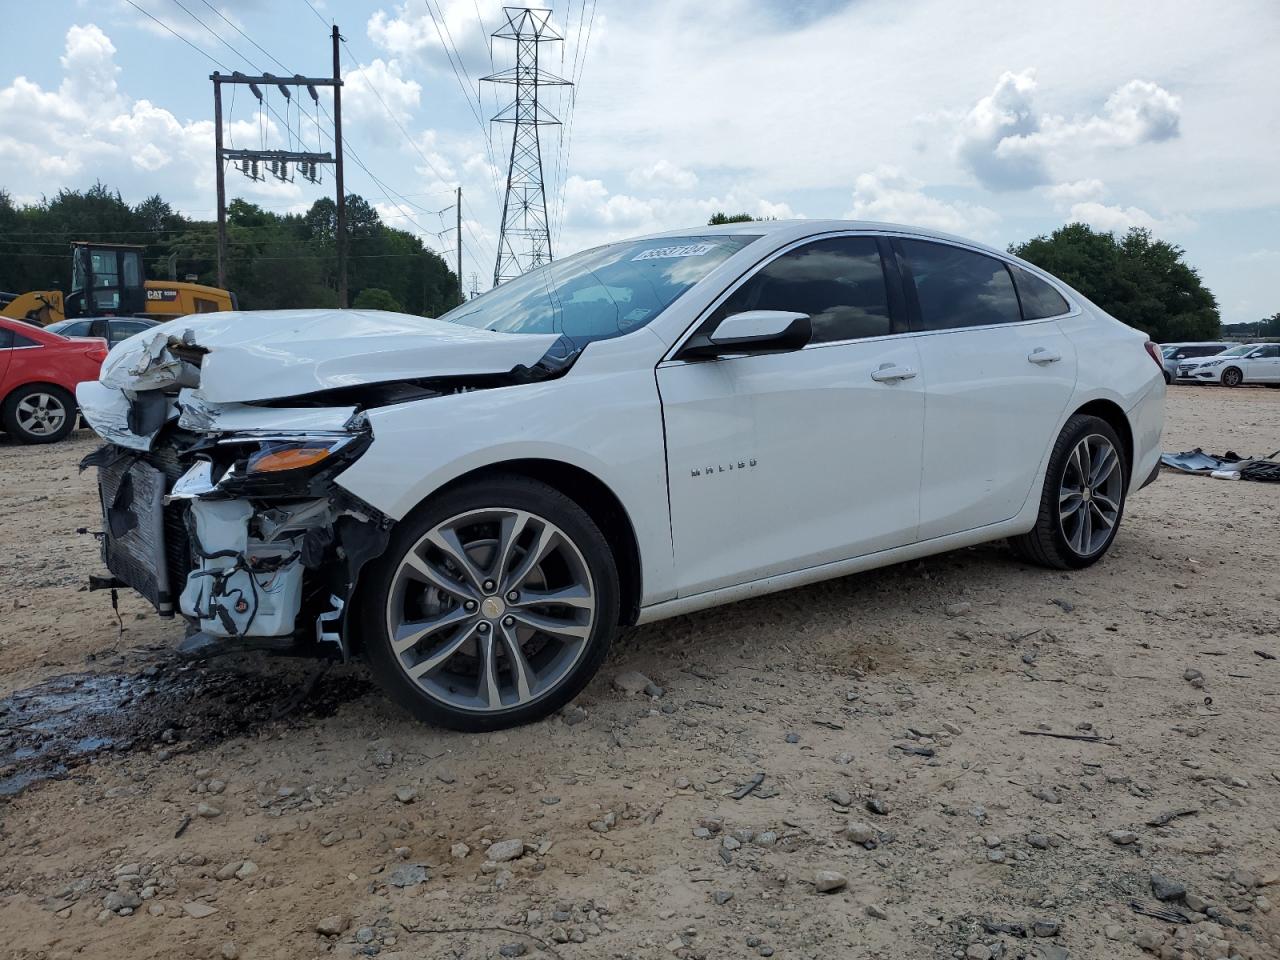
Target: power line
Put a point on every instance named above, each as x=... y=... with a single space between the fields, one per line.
x=245 y=35
x=203 y=53
x=317 y=13
x=484 y=130
x=216 y=35
x=577 y=89
x=394 y=119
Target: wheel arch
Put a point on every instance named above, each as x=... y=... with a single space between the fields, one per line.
x=37 y=382
x=596 y=498
x=1112 y=413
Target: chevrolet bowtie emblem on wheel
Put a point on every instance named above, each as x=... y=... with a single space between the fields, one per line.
x=722 y=468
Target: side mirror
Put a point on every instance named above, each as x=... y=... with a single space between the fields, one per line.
x=753 y=331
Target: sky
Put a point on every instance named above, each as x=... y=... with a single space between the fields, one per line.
x=997 y=121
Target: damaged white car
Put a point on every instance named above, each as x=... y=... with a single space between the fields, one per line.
x=474 y=504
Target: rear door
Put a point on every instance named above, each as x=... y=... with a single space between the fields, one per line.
x=998 y=375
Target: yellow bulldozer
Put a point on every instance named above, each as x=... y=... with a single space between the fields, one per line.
x=107 y=281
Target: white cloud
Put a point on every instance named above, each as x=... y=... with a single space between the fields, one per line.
x=373 y=90
x=88 y=129
x=1007 y=144
x=412 y=29
x=994 y=136
x=594 y=214
x=662 y=173
x=887 y=194
x=1117 y=219
x=1064 y=195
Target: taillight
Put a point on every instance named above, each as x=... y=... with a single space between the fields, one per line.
x=98 y=351
x=1154 y=353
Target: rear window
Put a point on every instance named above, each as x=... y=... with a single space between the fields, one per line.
x=1039 y=299
x=960 y=288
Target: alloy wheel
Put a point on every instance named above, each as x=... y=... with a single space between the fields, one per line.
x=41 y=414
x=490 y=609
x=1090 y=494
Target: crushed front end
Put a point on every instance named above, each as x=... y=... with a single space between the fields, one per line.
x=228 y=514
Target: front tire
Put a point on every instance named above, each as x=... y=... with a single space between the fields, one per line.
x=1082 y=502
x=38 y=413
x=1232 y=377
x=492 y=606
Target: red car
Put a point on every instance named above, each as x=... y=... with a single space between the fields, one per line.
x=38 y=376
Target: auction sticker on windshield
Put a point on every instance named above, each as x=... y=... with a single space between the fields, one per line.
x=681 y=250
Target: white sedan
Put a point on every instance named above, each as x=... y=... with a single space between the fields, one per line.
x=1247 y=363
x=474 y=504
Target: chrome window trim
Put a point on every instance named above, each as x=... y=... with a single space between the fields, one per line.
x=669 y=358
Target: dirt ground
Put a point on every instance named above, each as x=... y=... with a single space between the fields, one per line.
x=251 y=808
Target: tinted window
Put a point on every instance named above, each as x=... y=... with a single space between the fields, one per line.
x=960 y=288
x=72 y=328
x=838 y=282
x=22 y=341
x=1039 y=300
x=6 y=338
x=124 y=329
x=1269 y=352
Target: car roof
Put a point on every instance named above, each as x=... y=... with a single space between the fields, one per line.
x=784 y=231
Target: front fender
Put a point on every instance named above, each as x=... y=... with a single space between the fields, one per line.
x=604 y=418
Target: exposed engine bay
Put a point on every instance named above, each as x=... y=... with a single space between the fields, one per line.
x=226 y=511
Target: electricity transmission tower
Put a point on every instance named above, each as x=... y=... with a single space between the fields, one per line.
x=525 y=240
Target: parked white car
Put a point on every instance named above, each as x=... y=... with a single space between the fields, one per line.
x=1247 y=363
x=475 y=503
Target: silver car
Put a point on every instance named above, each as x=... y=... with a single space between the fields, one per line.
x=1176 y=355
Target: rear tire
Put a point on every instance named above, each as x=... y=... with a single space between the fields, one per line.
x=38 y=413
x=461 y=624
x=1082 y=501
x=1232 y=377
x=1167 y=379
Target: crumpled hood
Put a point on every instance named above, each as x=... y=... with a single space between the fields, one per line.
x=274 y=354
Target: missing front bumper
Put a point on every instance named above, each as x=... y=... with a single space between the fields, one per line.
x=258 y=573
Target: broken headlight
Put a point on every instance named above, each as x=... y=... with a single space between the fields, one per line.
x=286 y=465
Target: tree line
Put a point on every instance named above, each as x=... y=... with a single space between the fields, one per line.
x=274 y=260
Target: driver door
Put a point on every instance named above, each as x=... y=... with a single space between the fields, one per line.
x=1263 y=364
x=782 y=461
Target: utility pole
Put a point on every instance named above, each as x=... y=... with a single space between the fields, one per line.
x=337 y=173
x=282 y=164
x=525 y=239
x=222 y=182
x=458 y=204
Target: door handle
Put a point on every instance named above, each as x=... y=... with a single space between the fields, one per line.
x=888 y=373
x=1042 y=356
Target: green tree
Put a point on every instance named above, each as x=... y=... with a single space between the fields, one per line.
x=719 y=218
x=273 y=260
x=1139 y=280
x=375 y=298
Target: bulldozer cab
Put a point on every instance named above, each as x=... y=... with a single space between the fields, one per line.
x=106 y=281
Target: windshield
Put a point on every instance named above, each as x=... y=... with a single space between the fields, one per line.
x=1239 y=351
x=600 y=293
x=1168 y=352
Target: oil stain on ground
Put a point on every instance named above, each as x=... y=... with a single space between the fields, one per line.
x=51 y=728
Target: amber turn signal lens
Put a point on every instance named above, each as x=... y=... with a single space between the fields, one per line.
x=288 y=458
